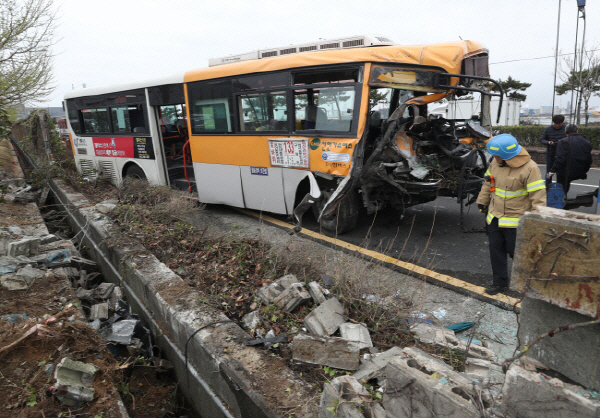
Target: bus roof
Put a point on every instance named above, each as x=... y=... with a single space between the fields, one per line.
x=95 y=91
x=447 y=55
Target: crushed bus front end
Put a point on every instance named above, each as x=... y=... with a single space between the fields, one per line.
x=408 y=156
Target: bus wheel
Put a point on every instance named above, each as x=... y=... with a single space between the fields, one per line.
x=345 y=216
x=135 y=172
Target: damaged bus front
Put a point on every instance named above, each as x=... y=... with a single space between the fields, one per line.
x=406 y=156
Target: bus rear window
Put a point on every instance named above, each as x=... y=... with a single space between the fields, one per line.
x=74 y=118
x=95 y=120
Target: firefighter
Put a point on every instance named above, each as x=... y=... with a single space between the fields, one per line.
x=513 y=186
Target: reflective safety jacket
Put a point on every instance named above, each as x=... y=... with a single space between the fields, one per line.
x=519 y=188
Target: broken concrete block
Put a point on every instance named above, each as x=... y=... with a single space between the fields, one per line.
x=99 y=311
x=62 y=273
x=484 y=375
x=269 y=292
x=47 y=239
x=84 y=294
x=326 y=351
x=15 y=282
x=326 y=318
x=76 y=378
x=575 y=353
x=25 y=246
x=539 y=235
x=106 y=206
x=419 y=385
x=357 y=334
x=292 y=297
x=120 y=332
x=104 y=290
x=316 y=292
x=116 y=295
x=31 y=273
x=484 y=371
x=374 y=367
x=535 y=395
x=9 y=264
x=251 y=320
x=443 y=337
x=343 y=397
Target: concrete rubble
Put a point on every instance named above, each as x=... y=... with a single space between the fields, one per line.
x=291 y=298
x=442 y=337
x=325 y=351
x=251 y=320
x=316 y=292
x=269 y=292
x=345 y=397
x=418 y=385
x=74 y=382
x=530 y=394
x=326 y=318
x=357 y=334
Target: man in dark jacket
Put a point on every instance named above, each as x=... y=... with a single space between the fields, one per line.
x=550 y=137
x=573 y=158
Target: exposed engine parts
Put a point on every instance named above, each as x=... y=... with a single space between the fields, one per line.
x=418 y=159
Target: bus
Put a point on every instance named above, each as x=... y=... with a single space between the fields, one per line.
x=339 y=126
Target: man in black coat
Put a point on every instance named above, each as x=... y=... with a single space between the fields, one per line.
x=550 y=137
x=573 y=158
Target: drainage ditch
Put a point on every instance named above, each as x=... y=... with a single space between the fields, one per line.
x=51 y=360
x=144 y=377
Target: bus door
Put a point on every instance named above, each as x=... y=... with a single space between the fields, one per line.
x=172 y=127
x=168 y=103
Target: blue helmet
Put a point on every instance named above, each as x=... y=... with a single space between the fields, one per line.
x=504 y=146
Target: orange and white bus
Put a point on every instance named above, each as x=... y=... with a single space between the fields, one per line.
x=338 y=125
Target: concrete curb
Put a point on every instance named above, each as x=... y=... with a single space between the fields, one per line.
x=221 y=377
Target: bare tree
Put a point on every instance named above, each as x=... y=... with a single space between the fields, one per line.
x=26 y=37
x=581 y=77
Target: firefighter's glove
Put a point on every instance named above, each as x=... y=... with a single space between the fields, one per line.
x=549 y=175
x=482 y=208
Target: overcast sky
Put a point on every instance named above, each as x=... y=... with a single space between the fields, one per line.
x=113 y=41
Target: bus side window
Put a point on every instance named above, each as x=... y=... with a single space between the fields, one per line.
x=120 y=120
x=211 y=104
x=95 y=120
x=137 y=120
x=263 y=111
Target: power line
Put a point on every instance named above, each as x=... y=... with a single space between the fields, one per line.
x=540 y=58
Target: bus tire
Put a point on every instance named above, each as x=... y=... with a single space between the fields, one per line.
x=135 y=171
x=345 y=216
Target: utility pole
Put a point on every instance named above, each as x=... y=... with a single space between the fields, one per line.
x=581 y=10
x=556 y=56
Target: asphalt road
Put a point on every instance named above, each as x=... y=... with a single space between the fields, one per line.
x=430 y=235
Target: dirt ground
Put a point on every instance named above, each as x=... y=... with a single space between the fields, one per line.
x=44 y=324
